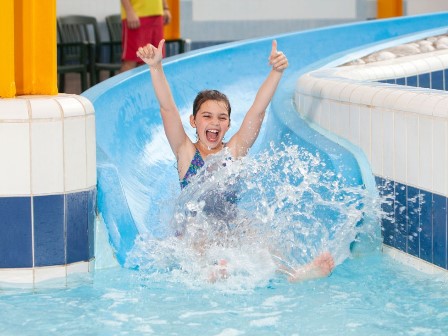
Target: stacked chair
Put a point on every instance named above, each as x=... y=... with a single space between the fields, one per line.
x=81 y=49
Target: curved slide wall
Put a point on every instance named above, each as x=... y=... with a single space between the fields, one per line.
x=136 y=168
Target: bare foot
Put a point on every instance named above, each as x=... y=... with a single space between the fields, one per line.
x=318 y=268
x=219 y=272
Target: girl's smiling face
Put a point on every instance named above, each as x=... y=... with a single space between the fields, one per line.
x=212 y=121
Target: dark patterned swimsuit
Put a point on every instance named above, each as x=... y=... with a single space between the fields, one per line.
x=196 y=164
x=217 y=203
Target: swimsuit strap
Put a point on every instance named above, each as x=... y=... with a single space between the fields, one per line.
x=196 y=164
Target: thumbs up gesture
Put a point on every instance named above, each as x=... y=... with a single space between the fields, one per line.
x=150 y=54
x=277 y=59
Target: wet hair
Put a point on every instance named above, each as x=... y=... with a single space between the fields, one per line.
x=207 y=95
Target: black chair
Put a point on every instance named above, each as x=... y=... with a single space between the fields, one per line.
x=113 y=23
x=174 y=47
x=72 y=58
x=80 y=28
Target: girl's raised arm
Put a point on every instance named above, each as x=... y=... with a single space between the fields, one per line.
x=170 y=115
x=250 y=128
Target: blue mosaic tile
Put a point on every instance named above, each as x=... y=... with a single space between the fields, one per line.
x=426 y=252
x=400 y=207
x=440 y=230
x=49 y=230
x=77 y=227
x=413 y=213
x=424 y=80
x=15 y=232
x=401 y=81
x=437 y=80
x=445 y=76
x=411 y=81
x=386 y=190
x=91 y=213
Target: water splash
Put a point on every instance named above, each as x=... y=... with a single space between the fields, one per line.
x=240 y=220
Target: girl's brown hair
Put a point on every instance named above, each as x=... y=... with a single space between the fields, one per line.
x=206 y=95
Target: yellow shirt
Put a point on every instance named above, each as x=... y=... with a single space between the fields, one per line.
x=145 y=8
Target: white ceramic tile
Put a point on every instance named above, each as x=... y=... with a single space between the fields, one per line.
x=315 y=110
x=391 y=98
x=402 y=102
x=387 y=72
x=57 y=274
x=413 y=155
x=302 y=84
x=91 y=150
x=365 y=128
x=344 y=120
x=47 y=160
x=326 y=89
x=354 y=132
x=92 y=265
x=368 y=73
x=377 y=142
x=298 y=101
x=75 y=156
x=15 y=159
x=417 y=104
x=334 y=116
x=416 y=263
x=409 y=69
x=45 y=109
x=307 y=106
x=398 y=70
x=312 y=86
x=87 y=104
x=71 y=106
x=432 y=100
x=16 y=276
x=325 y=114
x=433 y=63
x=362 y=95
x=379 y=96
x=388 y=143
x=13 y=109
x=346 y=93
x=78 y=267
x=380 y=73
x=336 y=88
x=425 y=148
x=400 y=147
x=440 y=163
x=441 y=108
x=443 y=57
x=422 y=66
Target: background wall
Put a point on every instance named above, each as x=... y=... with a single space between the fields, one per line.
x=207 y=22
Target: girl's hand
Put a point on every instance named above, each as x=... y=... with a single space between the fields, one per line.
x=150 y=54
x=277 y=59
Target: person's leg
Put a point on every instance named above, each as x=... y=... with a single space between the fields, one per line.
x=320 y=267
x=127 y=65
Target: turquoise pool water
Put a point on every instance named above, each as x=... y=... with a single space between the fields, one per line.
x=369 y=294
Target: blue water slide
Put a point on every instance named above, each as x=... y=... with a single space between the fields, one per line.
x=136 y=169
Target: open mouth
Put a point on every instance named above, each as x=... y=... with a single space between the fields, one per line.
x=212 y=135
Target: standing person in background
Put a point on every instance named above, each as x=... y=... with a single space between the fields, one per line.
x=142 y=23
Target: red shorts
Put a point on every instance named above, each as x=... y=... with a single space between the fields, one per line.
x=150 y=31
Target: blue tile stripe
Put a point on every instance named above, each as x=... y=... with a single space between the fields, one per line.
x=61 y=225
x=415 y=221
x=431 y=80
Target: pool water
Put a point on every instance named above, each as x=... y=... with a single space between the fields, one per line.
x=166 y=289
x=369 y=294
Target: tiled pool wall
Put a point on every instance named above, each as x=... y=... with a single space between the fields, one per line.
x=48 y=188
x=397 y=112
